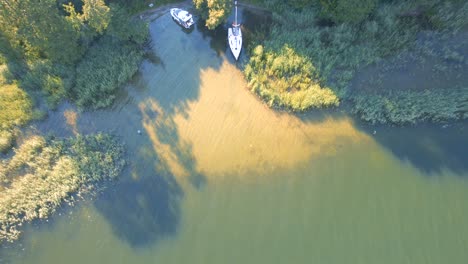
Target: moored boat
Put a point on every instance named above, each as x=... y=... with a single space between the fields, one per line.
x=182 y=17
x=235 y=37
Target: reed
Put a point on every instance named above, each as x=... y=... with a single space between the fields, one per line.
x=15 y=110
x=283 y=78
x=338 y=48
x=43 y=174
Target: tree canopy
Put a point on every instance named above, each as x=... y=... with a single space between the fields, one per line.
x=48 y=40
x=214 y=12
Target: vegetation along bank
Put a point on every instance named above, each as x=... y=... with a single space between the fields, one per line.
x=317 y=54
x=316 y=49
x=43 y=173
x=81 y=51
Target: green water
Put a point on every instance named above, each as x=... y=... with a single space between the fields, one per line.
x=218 y=177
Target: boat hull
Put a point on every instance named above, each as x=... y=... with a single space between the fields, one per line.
x=235 y=41
x=176 y=12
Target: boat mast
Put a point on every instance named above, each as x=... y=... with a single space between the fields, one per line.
x=235 y=20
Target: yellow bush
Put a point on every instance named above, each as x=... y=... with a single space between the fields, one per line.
x=284 y=78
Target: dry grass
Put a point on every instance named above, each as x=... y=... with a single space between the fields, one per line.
x=42 y=174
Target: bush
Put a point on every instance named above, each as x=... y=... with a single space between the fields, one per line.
x=7 y=139
x=98 y=157
x=213 y=11
x=348 y=11
x=15 y=107
x=285 y=79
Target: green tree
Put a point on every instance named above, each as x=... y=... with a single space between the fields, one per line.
x=38 y=30
x=97 y=14
x=213 y=11
x=126 y=28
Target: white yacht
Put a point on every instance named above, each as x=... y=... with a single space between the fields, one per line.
x=184 y=18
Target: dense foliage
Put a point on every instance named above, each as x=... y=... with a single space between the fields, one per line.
x=45 y=42
x=286 y=79
x=337 y=48
x=42 y=174
x=106 y=66
x=214 y=12
x=348 y=10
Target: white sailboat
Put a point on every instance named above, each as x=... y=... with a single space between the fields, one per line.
x=235 y=37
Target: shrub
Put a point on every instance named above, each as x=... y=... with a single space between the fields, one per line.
x=15 y=106
x=285 y=79
x=213 y=11
x=7 y=139
x=97 y=156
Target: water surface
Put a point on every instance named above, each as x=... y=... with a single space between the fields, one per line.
x=218 y=177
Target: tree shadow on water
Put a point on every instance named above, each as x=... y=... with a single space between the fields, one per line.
x=217 y=37
x=144 y=205
x=144 y=210
x=174 y=153
x=430 y=148
x=173 y=77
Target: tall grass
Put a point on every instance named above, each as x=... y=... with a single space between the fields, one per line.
x=409 y=107
x=42 y=174
x=337 y=48
x=111 y=49
x=15 y=110
x=283 y=78
x=347 y=10
x=106 y=66
x=52 y=80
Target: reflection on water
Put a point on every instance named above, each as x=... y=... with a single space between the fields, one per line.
x=218 y=177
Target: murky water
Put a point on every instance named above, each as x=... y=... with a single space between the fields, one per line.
x=217 y=177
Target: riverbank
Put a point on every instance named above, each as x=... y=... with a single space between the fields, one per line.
x=78 y=60
x=314 y=73
x=340 y=55
x=216 y=168
x=359 y=62
x=153 y=13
